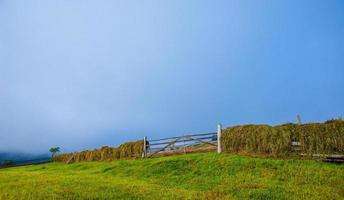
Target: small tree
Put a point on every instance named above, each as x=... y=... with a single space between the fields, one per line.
x=54 y=150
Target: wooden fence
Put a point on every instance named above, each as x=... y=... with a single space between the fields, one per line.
x=155 y=147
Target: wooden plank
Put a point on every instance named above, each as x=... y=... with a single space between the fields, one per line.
x=324 y=155
x=295 y=143
x=144 y=147
x=70 y=159
x=334 y=160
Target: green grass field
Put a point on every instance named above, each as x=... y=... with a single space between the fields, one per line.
x=194 y=176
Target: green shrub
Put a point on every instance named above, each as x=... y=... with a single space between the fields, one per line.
x=258 y=139
x=126 y=150
x=326 y=138
x=315 y=138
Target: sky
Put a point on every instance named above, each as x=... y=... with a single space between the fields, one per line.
x=82 y=74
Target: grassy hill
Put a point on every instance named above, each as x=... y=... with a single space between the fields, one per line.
x=194 y=176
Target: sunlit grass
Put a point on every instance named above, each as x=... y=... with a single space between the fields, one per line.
x=196 y=176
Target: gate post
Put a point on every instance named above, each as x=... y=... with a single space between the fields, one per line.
x=144 y=147
x=219 y=127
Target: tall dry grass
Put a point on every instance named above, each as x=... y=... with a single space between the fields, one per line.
x=314 y=138
x=126 y=150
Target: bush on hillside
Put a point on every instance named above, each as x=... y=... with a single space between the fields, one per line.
x=124 y=151
x=314 y=138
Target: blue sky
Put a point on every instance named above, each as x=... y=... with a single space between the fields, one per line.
x=82 y=74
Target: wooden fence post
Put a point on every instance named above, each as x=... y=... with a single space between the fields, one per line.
x=184 y=145
x=219 y=127
x=144 y=147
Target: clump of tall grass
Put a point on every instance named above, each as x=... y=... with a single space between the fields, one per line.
x=126 y=150
x=314 y=138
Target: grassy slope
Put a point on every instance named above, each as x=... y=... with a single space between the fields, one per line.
x=196 y=176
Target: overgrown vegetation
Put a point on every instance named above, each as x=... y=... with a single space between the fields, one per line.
x=195 y=176
x=276 y=141
x=126 y=150
x=314 y=138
